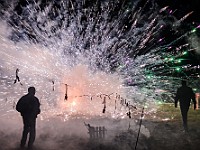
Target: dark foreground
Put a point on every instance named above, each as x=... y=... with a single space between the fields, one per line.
x=165 y=134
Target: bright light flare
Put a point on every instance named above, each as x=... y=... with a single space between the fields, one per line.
x=73 y=103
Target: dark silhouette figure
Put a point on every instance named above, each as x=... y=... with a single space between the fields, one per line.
x=29 y=107
x=184 y=95
x=17 y=77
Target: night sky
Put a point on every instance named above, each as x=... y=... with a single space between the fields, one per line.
x=184 y=6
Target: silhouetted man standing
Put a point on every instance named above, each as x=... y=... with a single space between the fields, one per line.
x=29 y=107
x=184 y=95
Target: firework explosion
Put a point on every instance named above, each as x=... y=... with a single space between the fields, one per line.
x=96 y=62
x=103 y=53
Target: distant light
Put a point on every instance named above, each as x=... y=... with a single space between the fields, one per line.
x=166 y=119
x=179 y=60
x=160 y=39
x=149 y=76
x=73 y=103
x=194 y=30
x=195 y=89
x=185 y=53
x=178 y=69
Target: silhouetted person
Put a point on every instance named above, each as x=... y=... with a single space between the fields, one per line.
x=29 y=107
x=184 y=95
x=17 y=77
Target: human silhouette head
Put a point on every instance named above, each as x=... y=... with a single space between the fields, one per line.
x=184 y=83
x=31 y=90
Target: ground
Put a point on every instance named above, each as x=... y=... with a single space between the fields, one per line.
x=170 y=135
x=165 y=129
